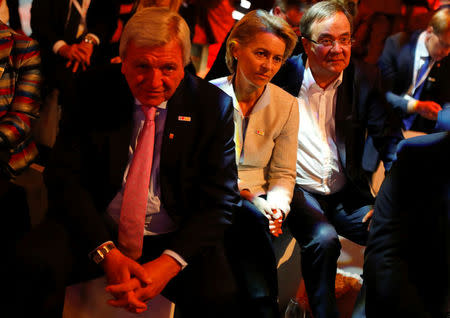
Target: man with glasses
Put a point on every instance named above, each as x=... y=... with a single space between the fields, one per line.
x=415 y=70
x=339 y=106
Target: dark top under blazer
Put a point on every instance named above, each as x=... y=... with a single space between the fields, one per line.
x=396 y=64
x=407 y=258
x=360 y=110
x=198 y=170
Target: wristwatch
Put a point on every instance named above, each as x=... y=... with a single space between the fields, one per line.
x=99 y=254
x=89 y=39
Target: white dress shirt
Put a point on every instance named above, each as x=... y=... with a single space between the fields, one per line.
x=318 y=167
x=420 y=55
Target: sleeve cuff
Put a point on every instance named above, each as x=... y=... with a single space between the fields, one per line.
x=411 y=104
x=177 y=257
x=58 y=44
x=94 y=37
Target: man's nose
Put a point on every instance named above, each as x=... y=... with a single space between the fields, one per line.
x=153 y=77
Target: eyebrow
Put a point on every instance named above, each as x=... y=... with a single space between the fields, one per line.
x=328 y=35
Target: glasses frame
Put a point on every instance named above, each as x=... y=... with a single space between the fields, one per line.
x=333 y=42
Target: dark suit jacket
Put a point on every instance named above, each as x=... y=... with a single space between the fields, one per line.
x=396 y=64
x=198 y=170
x=359 y=111
x=49 y=24
x=406 y=268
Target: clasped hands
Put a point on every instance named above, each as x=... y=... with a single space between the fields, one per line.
x=77 y=54
x=274 y=215
x=133 y=284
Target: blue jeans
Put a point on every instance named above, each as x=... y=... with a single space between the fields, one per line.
x=315 y=221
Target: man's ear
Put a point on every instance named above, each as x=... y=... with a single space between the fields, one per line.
x=306 y=44
x=278 y=12
x=430 y=29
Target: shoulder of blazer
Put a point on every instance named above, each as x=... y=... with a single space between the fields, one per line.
x=199 y=92
x=281 y=96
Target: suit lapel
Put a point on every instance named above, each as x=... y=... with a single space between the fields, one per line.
x=297 y=77
x=343 y=115
x=406 y=59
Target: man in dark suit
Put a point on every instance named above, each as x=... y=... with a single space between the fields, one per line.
x=339 y=105
x=74 y=35
x=415 y=70
x=71 y=30
x=407 y=259
x=188 y=200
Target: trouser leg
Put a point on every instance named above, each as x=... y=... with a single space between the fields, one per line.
x=320 y=249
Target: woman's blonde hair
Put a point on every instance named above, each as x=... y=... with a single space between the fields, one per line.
x=254 y=22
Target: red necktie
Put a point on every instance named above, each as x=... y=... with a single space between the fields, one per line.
x=135 y=196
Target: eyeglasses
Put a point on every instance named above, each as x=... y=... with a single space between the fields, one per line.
x=328 y=43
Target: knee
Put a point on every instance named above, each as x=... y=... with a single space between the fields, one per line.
x=325 y=238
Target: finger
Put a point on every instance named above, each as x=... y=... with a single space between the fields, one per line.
x=75 y=66
x=129 y=300
x=268 y=216
x=78 y=55
x=128 y=286
x=140 y=273
x=69 y=62
x=133 y=301
x=269 y=211
x=367 y=216
x=122 y=302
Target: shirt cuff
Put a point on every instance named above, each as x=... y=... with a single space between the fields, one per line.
x=411 y=104
x=58 y=44
x=177 y=257
x=95 y=37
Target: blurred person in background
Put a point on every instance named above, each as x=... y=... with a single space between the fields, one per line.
x=415 y=69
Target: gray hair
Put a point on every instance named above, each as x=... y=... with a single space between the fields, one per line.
x=153 y=27
x=440 y=21
x=321 y=11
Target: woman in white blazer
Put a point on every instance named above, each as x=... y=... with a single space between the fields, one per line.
x=266 y=128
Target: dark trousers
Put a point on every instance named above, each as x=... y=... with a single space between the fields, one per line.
x=250 y=252
x=315 y=221
x=15 y=224
x=49 y=259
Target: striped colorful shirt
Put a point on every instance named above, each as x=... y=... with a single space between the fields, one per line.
x=20 y=81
